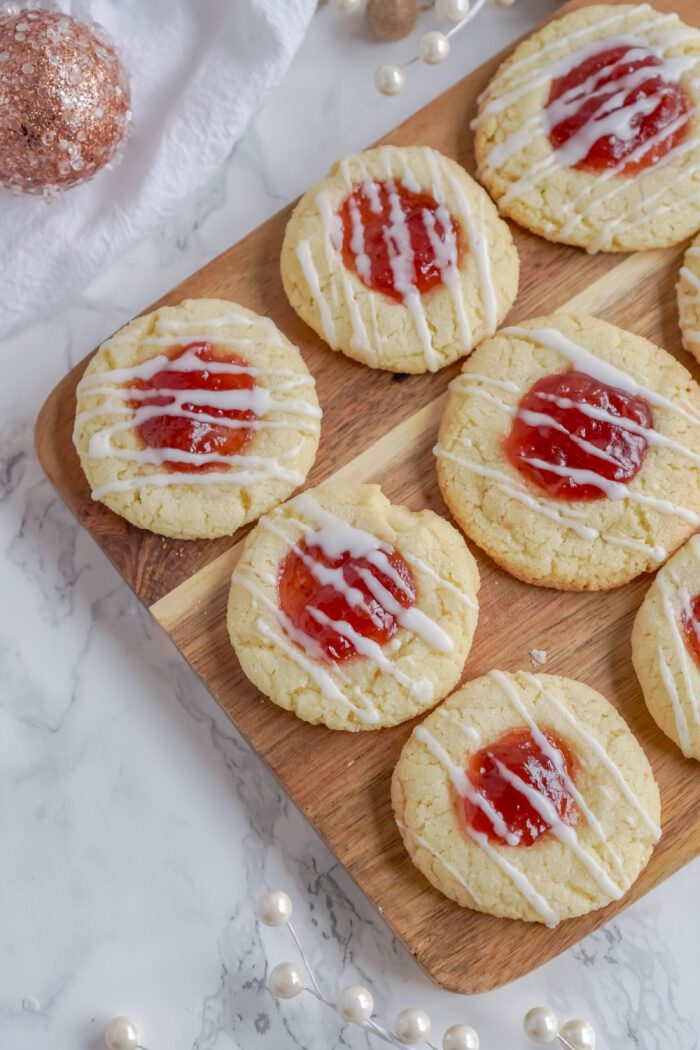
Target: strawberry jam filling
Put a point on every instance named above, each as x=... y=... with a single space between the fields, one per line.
x=502 y=771
x=337 y=603
x=398 y=242
x=568 y=421
x=193 y=427
x=690 y=622
x=618 y=105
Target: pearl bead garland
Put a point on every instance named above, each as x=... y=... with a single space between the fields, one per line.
x=580 y=1035
x=123 y=1033
x=541 y=1024
x=355 y=1003
x=412 y=1027
x=274 y=908
x=286 y=981
x=452 y=11
x=460 y=1037
x=390 y=79
x=433 y=48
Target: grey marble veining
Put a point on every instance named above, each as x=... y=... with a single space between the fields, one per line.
x=136 y=827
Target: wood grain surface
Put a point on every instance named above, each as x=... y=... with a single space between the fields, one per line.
x=380 y=427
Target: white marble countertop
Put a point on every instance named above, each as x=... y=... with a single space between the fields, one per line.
x=136 y=827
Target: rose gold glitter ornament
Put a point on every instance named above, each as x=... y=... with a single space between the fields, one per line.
x=64 y=100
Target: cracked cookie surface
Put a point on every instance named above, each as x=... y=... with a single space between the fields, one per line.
x=381 y=224
x=666 y=648
x=689 y=299
x=195 y=419
x=637 y=520
x=351 y=611
x=571 y=869
x=636 y=72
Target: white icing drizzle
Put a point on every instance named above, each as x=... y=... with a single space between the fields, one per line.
x=470 y=732
x=600 y=753
x=513 y=487
x=691 y=336
x=333 y=244
x=679 y=714
x=518 y=878
x=244 y=469
x=548 y=812
x=447 y=865
x=258 y=469
x=324 y=679
x=465 y=789
x=311 y=277
x=585 y=361
x=401 y=258
x=614 y=490
x=613 y=118
x=675 y=600
x=334 y=537
x=462 y=598
x=463 y=785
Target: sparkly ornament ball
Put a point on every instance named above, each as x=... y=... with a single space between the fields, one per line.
x=64 y=100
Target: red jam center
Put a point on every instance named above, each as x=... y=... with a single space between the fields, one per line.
x=627 y=91
x=201 y=435
x=301 y=592
x=396 y=240
x=690 y=621
x=518 y=751
x=575 y=439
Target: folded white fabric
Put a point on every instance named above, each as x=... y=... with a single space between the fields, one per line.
x=199 y=69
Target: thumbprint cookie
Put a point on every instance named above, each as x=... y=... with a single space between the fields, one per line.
x=526 y=797
x=589 y=134
x=351 y=611
x=570 y=452
x=666 y=648
x=400 y=260
x=195 y=419
x=689 y=299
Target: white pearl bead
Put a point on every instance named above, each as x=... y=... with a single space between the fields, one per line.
x=123 y=1034
x=540 y=1024
x=286 y=981
x=453 y=11
x=390 y=79
x=412 y=1027
x=355 y=1003
x=346 y=7
x=579 y=1034
x=275 y=908
x=460 y=1037
x=434 y=48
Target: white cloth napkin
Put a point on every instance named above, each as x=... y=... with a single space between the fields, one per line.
x=199 y=69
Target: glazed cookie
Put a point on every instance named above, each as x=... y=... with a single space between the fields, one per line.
x=399 y=259
x=589 y=134
x=666 y=648
x=527 y=798
x=350 y=611
x=195 y=419
x=570 y=451
x=689 y=299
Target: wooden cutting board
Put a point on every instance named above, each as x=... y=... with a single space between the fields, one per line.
x=381 y=427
